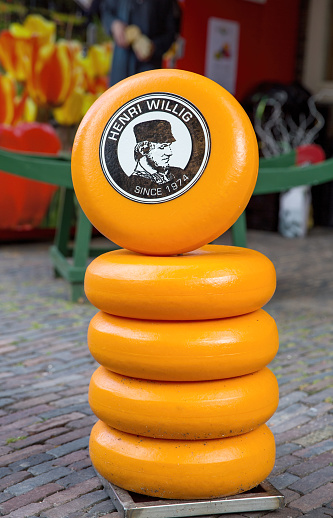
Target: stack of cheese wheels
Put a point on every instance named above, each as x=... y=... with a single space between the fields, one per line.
x=163 y=163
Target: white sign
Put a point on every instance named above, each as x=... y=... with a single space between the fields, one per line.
x=222 y=52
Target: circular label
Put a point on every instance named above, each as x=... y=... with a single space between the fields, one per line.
x=155 y=148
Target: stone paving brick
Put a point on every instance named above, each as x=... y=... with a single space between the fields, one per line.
x=17 y=416
x=33 y=496
x=12 y=479
x=22 y=454
x=28 y=403
x=314 y=480
x=75 y=477
x=87 y=421
x=40 y=480
x=282 y=513
x=320 y=396
x=4 y=450
x=69 y=447
x=29 y=462
x=63 y=511
x=4 y=472
x=4 y=497
x=315 y=499
x=315 y=449
x=67 y=460
x=70 y=436
x=100 y=509
x=117 y=515
x=286 y=449
x=29 y=510
x=38 y=438
x=288 y=424
x=10 y=429
x=83 y=409
x=284 y=480
x=73 y=400
x=306 y=429
x=289 y=399
x=53 y=422
x=83 y=487
x=313 y=464
x=289 y=495
x=287 y=461
x=322 y=512
x=49 y=366
x=81 y=464
x=6 y=401
x=315 y=437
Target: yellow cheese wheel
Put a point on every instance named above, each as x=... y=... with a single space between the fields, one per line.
x=184 y=351
x=164 y=162
x=181 y=469
x=212 y=282
x=184 y=410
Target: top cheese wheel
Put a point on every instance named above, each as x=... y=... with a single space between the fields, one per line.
x=164 y=162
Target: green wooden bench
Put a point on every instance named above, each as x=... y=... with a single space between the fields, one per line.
x=275 y=175
x=68 y=261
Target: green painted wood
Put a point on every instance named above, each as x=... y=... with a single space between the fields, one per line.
x=66 y=269
x=96 y=251
x=238 y=231
x=77 y=292
x=82 y=240
x=286 y=160
x=65 y=215
x=47 y=169
x=279 y=179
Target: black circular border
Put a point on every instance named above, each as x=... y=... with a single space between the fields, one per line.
x=197 y=144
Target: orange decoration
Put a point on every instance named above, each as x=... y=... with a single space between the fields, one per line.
x=12 y=54
x=53 y=73
x=7 y=99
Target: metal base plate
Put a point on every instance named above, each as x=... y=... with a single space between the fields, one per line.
x=132 y=505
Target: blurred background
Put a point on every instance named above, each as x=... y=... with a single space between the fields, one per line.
x=274 y=56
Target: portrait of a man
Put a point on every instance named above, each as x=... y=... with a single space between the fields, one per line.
x=153 y=151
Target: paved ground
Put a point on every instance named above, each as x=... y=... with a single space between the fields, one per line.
x=45 y=369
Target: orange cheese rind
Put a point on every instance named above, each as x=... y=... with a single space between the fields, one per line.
x=182 y=469
x=210 y=283
x=184 y=410
x=212 y=149
x=184 y=351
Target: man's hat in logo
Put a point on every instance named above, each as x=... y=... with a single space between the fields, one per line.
x=154 y=131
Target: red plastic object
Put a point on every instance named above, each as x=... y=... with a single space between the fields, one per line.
x=309 y=154
x=24 y=202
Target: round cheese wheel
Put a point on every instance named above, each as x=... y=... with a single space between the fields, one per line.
x=164 y=162
x=212 y=282
x=184 y=410
x=181 y=469
x=184 y=351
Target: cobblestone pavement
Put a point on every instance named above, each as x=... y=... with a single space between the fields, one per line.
x=45 y=419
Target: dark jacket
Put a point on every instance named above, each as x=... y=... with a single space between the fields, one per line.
x=157 y=19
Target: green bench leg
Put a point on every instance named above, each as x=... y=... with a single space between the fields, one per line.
x=82 y=240
x=66 y=212
x=77 y=291
x=238 y=231
x=80 y=253
x=72 y=270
